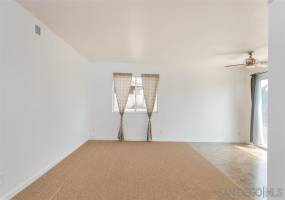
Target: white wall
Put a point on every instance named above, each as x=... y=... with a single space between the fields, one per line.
x=200 y=101
x=1 y=95
x=43 y=98
x=276 y=161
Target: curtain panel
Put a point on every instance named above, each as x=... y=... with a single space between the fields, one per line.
x=150 y=84
x=122 y=83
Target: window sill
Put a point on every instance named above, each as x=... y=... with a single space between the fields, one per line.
x=134 y=112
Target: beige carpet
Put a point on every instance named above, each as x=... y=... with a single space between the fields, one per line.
x=133 y=171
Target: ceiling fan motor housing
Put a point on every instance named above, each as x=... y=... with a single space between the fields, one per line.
x=250 y=61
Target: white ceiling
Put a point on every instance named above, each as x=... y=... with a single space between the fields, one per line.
x=149 y=31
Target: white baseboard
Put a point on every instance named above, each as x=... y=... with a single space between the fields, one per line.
x=103 y=138
x=164 y=139
x=30 y=180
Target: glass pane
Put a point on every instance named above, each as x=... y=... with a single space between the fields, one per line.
x=140 y=99
x=138 y=81
x=115 y=103
x=155 y=105
x=131 y=101
x=133 y=83
x=131 y=104
x=260 y=124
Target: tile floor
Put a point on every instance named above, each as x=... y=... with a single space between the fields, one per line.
x=245 y=164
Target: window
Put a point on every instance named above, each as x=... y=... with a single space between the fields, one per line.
x=136 y=102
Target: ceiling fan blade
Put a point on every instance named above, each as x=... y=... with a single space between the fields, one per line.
x=238 y=65
x=251 y=66
x=262 y=62
x=235 y=52
x=260 y=65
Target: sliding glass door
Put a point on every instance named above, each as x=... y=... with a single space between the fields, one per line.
x=260 y=111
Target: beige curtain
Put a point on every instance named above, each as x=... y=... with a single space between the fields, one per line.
x=122 y=83
x=150 y=83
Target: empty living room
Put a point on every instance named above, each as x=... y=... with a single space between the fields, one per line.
x=142 y=100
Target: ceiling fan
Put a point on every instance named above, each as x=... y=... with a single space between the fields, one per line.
x=251 y=62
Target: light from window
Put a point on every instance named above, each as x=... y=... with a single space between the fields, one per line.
x=136 y=102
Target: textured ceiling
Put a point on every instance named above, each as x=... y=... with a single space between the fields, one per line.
x=149 y=31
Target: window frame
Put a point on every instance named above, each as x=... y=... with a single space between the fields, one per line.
x=135 y=110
